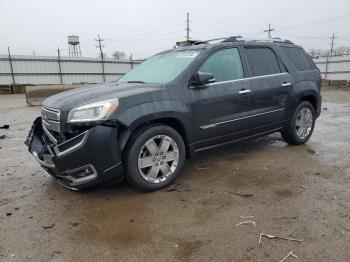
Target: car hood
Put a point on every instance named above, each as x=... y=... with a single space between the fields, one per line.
x=88 y=94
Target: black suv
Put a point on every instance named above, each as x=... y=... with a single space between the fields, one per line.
x=176 y=103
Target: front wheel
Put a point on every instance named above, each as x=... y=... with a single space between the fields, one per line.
x=301 y=125
x=155 y=157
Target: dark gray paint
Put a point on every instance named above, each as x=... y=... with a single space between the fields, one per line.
x=267 y=107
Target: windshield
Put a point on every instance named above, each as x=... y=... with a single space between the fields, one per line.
x=161 y=68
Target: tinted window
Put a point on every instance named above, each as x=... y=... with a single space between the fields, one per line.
x=299 y=58
x=262 y=61
x=224 y=65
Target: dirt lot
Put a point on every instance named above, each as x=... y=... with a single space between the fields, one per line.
x=300 y=192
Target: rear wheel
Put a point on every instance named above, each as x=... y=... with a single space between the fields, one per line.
x=155 y=157
x=301 y=126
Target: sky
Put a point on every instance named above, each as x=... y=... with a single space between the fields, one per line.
x=145 y=27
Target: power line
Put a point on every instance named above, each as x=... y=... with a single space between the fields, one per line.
x=317 y=22
x=211 y=28
x=143 y=38
x=147 y=32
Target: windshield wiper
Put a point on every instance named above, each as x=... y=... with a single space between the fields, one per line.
x=136 y=81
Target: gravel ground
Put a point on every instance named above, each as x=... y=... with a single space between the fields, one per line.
x=298 y=192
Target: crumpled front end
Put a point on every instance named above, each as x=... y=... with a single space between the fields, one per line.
x=86 y=158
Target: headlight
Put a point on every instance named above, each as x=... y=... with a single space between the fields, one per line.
x=93 y=112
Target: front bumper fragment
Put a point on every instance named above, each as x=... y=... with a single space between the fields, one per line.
x=90 y=158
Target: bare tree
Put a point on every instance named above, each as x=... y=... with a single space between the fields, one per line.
x=338 y=51
x=119 y=55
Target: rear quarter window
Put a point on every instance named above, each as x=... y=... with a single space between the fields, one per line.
x=301 y=60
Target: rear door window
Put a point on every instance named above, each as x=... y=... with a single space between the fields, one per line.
x=262 y=61
x=299 y=58
x=225 y=65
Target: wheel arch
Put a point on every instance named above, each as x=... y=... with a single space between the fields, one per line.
x=126 y=133
x=308 y=91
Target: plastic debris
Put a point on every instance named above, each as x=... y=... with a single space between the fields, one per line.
x=276 y=237
x=246 y=217
x=247 y=222
x=49 y=226
x=201 y=168
x=290 y=254
x=178 y=188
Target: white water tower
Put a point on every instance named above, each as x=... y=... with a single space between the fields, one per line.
x=74 y=45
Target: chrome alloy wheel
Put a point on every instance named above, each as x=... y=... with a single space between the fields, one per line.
x=303 y=123
x=158 y=159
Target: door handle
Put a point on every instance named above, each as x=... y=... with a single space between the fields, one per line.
x=287 y=84
x=244 y=91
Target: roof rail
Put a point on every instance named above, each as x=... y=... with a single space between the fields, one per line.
x=274 y=39
x=232 y=39
x=224 y=39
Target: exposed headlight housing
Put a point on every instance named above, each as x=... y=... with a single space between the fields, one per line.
x=93 y=112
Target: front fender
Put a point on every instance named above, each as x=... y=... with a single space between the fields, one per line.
x=139 y=114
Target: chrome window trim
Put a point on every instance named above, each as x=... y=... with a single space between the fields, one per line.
x=247 y=78
x=240 y=118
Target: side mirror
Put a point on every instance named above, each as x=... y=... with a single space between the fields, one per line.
x=202 y=78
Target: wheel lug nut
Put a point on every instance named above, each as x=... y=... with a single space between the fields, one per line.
x=154 y=160
x=161 y=162
x=163 y=157
x=156 y=164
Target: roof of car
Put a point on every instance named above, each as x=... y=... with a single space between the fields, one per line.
x=228 y=41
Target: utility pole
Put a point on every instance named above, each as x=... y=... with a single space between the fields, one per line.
x=34 y=53
x=268 y=31
x=131 y=61
x=99 y=40
x=11 y=67
x=59 y=64
x=188 y=28
x=329 y=54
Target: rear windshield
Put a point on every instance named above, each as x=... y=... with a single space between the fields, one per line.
x=161 y=68
x=299 y=58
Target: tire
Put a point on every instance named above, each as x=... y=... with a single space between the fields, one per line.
x=145 y=157
x=299 y=129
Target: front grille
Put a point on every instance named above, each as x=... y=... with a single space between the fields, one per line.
x=51 y=119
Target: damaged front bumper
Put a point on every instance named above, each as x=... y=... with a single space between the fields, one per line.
x=87 y=159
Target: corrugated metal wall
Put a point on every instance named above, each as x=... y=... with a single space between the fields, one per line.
x=338 y=67
x=46 y=70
